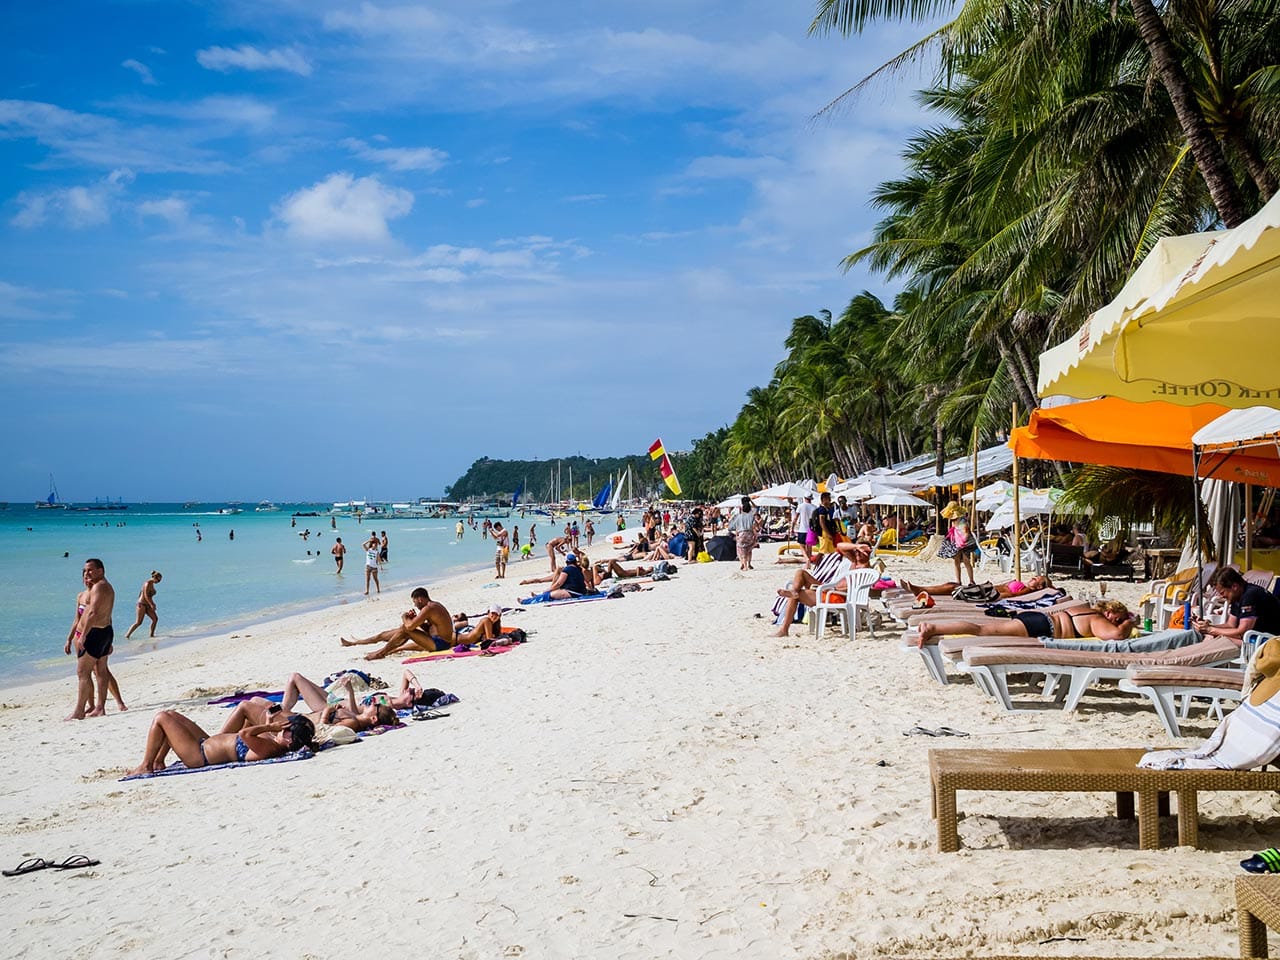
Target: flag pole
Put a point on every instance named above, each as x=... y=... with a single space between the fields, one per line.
x=1017 y=517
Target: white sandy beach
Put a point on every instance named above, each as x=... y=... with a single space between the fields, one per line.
x=648 y=777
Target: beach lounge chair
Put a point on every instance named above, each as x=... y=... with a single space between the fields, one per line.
x=1257 y=909
x=991 y=667
x=887 y=545
x=1083 y=771
x=827 y=568
x=1164 y=685
x=845 y=598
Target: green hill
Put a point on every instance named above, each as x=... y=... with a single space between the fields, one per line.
x=493 y=479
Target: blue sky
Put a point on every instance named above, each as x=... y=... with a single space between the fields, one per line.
x=313 y=249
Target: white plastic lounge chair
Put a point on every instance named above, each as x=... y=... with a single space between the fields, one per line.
x=992 y=666
x=1163 y=685
x=845 y=598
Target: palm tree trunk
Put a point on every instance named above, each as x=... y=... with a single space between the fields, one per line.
x=1208 y=154
x=1257 y=167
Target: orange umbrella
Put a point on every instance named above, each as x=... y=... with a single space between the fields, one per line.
x=1147 y=436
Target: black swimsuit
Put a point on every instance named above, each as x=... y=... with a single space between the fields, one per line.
x=97 y=641
x=1037 y=624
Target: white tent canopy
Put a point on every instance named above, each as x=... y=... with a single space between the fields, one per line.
x=1251 y=426
x=899 y=498
x=794 y=491
x=960 y=470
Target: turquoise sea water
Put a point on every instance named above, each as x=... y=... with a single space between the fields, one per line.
x=209 y=586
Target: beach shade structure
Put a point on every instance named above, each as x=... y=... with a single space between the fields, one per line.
x=784 y=491
x=760 y=500
x=1199 y=321
x=1251 y=429
x=866 y=487
x=1145 y=436
x=1036 y=503
x=899 y=498
x=730 y=503
x=991 y=460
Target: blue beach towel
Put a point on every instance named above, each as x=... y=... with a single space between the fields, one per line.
x=178 y=767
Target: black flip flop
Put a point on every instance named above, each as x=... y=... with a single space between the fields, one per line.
x=75 y=863
x=29 y=866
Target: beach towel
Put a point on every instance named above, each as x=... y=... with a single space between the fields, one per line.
x=234 y=698
x=456 y=654
x=178 y=767
x=545 y=598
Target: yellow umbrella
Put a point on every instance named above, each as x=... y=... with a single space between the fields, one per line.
x=1199 y=322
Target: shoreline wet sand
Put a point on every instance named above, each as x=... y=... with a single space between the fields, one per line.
x=653 y=776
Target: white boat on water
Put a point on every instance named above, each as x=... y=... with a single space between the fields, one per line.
x=266 y=506
x=229 y=510
x=53 y=501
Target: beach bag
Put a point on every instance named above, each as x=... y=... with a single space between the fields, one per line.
x=704 y=557
x=976 y=592
x=947 y=550
x=678 y=545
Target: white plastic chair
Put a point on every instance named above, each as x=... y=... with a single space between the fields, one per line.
x=856 y=588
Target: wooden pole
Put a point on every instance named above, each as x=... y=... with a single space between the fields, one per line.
x=1248 y=526
x=1017 y=523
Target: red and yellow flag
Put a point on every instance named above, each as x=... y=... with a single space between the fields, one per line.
x=657 y=452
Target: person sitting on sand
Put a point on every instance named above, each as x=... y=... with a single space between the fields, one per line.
x=147 y=604
x=805 y=583
x=171 y=730
x=571 y=581
x=427 y=626
x=1108 y=620
x=486 y=627
x=1007 y=591
x=639 y=550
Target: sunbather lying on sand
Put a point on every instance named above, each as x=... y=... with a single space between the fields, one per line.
x=375 y=710
x=171 y=730
x=1108 y=620
x=486 y=627
x=612 y=568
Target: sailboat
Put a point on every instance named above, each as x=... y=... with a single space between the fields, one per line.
x=617 y=493
x=53 y=501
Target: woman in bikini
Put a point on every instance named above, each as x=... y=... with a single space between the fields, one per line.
x=1108 y=620
x=374 y=709
x=1007 y=591
x=170 y=730
x=147 y=604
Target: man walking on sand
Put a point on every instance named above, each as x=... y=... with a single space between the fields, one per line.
x=372 y=548
x=92 y=636
x=427 y=626
x=339 y=552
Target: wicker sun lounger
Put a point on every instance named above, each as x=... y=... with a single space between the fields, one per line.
x=1162 y=685
x=1082 y=771
x=1257 y=908
x=991 y=666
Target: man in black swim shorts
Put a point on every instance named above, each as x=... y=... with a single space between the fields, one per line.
x=92 y=635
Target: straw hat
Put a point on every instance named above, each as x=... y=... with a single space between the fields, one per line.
x=952 y=510
x=1267 y=664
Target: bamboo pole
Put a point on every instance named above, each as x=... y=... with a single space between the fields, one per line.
x=1248 y=526
x=1017 y=521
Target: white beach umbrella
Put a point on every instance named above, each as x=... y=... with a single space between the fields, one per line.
x=899 y=498
x=784 y=491
x=865 y=487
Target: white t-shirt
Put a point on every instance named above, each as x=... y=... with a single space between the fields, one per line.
x=803 y=513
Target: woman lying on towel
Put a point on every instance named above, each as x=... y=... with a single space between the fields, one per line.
x=1007 y=591
x=1108 y=620
x=170 y=730
x=1250 y=735
x=344 y=711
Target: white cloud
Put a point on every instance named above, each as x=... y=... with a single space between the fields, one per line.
x=171 y=208
x=399 y=158
x=24 y=303
x=585 y=198
x=77 y=207
x=246 y=57
x=141 y=69
x=99 y=141
x=343 y=207
x=475 y=202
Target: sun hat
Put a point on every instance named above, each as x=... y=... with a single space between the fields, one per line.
x=952 y=510
x=570 y=558
x=1267 y=664
x=495 y=608
x=808 y=496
